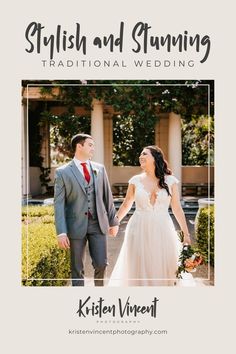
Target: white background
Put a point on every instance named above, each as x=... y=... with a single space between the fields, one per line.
x=36 y=320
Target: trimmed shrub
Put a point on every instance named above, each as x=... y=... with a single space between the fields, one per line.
x=37 y=212
x=41 y=257
x=204 y=223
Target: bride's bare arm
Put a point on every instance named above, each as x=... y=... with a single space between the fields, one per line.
x=127 y=203
x=178 y=213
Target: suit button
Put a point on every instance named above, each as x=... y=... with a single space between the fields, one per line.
x=85 y=213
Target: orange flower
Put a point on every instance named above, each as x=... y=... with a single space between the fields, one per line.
x=189 y=263
x=198 y=260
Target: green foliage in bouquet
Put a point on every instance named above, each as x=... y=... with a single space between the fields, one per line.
x=190 y=258
x=205 y=233
x=42 y=260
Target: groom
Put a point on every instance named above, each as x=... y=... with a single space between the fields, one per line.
x=84 y=210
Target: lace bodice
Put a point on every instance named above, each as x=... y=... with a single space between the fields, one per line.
x=142 y=196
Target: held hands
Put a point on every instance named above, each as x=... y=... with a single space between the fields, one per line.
x=113 y=231
x=63 y=242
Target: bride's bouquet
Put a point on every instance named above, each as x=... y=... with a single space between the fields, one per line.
x=189 y=260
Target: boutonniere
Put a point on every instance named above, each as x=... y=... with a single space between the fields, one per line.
x=95 y=171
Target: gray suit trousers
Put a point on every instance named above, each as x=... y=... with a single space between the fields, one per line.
x=97 y=243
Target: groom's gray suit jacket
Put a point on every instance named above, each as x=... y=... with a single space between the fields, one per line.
x=71 y=200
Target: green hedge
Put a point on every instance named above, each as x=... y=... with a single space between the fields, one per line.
x=202 y=228
x=37 y=211
x=40 y=253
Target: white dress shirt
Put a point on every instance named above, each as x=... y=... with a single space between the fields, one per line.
x=80 y=167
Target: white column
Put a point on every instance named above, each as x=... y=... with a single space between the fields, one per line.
x=24 y=153
x=97 y=130
x=175 y=146
x=45 y=148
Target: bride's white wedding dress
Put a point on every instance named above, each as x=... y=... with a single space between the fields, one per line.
x=151 y=247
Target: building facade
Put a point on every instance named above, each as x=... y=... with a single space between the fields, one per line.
x=167 y=136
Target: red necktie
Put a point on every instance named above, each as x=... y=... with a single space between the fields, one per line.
x=86 y=172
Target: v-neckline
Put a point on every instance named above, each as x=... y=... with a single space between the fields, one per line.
x=150 y=193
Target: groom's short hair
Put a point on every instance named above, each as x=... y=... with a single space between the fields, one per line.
x=79 y=139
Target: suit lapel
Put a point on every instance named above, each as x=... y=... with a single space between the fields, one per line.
x=78 y=175
x=94 y=176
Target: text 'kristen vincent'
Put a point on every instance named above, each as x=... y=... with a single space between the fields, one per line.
x=122 y=308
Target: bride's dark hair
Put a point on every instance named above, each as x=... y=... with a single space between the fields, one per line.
x=161 y=166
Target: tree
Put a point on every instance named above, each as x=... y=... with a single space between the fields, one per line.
x=130 y=135
x=140 y=101
x=198 y=141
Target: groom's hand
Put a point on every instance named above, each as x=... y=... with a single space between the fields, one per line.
x=63 y=242
x=113 y=231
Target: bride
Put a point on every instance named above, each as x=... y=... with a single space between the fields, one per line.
x=150 y=251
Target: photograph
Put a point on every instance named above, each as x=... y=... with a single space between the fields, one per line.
x=118 y=183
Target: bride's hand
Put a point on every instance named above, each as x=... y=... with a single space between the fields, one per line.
x=187 y=239
x=113 y=231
